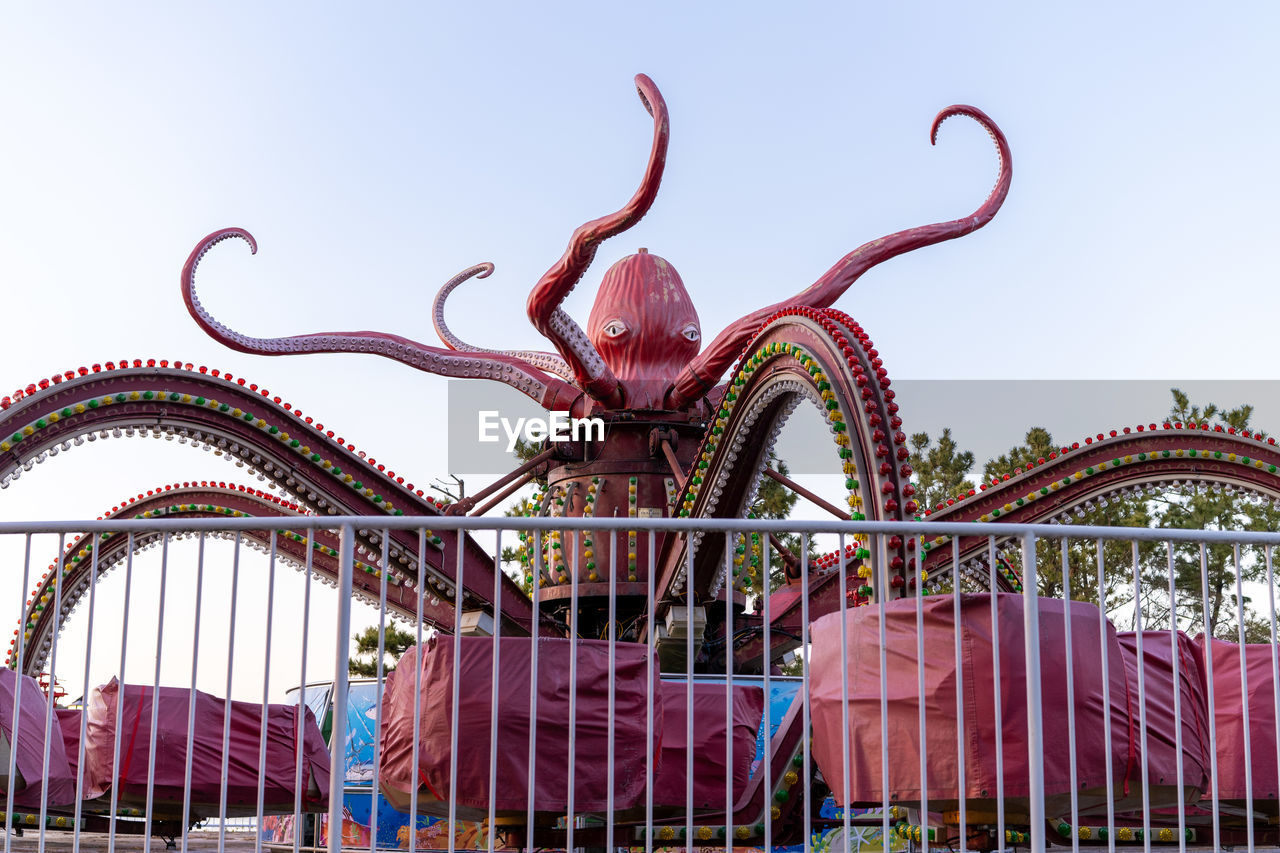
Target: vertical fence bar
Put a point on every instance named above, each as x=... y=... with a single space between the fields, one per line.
x=533 y=690
x=1035 y=721
x=384 y=572
x=84 y=701
x=17 y=688
x=995 y=669
x=53 y=692
x=920 y=701
x=1103 y=633
x=1208 y=677
x=191 y=695
x=341 y=682
x=155 y=695
x=804 y=686
x=649 y=697
x=613 y=676
x=124 y=648
x=728 y=692
x=846 y=770
x=298 y=818
x=573 y=685
x=766 y=762
x=226 y=706
x=266 y=692
x=495 y=673
x=418 y=595
x=961 y=739
x=1071 y=693
x=1177 y=696
x=881 y=588
x=1275 y=664
x=455 y=701
x=1244 y=694
x=1142 y=701
x=688 y=704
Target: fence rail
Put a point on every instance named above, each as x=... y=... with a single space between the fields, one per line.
x=616 y=712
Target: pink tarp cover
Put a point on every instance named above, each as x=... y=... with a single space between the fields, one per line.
x=430 y=782
x=1158 y=697
x=980 y=717
x=709 y=742
x=1228 y=712
x=68 y=720
x=134 y=727
x=29 y=746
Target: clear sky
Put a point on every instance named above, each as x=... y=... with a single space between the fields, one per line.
x=377 y=149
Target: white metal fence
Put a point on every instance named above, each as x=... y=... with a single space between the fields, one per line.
x=917 y=724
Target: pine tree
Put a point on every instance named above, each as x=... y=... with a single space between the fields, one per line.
x=1082 y=554
x=776 y=501
x=1210 y=508
x=941 y=472
x=364 y=658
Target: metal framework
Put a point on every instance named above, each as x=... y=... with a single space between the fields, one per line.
x=783 y=804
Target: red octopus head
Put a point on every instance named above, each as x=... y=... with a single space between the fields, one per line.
x=644 y=326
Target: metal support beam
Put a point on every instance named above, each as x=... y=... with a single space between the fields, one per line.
x=464 y=506
x=506 y=493
x=676 y=470
x=806 y=494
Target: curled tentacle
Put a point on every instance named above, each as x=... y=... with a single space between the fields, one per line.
x=203 y=318
x=544 y=361
x=712 y=362
x=550 y=392
x=589 y=369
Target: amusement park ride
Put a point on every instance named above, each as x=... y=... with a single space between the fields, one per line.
x=679 y=442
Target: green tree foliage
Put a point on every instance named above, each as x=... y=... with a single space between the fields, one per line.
x=511 y=563
x=364 y=656
x=1214 y=508
x=525 y=450
x=941 y=472
x=1206 y=508
x=1082 y=555
x=776 y=501
x=1036 y=447
x=511 y=554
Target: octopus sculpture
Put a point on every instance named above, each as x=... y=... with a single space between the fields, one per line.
x=640 y=365
x=642 y=347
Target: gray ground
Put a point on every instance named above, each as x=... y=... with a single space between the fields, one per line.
x=63 y=842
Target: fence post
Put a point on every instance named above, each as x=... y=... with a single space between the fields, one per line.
x=1035 y=728
x=341 y=658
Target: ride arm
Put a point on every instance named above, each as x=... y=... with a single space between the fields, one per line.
x=544 y=361
x=589 y=370
x=547 y=391
x=705 y=370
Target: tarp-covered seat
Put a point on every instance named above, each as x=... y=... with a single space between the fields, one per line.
x=1158 y=696
x=429 y=781
x=1092 y=715
x=28 y=748
x=709 y=739
x=68 y=720
x=1229 y=704
x=134 y=729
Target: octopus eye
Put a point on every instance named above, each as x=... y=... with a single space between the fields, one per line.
x=615 y=328
x=691 y=333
